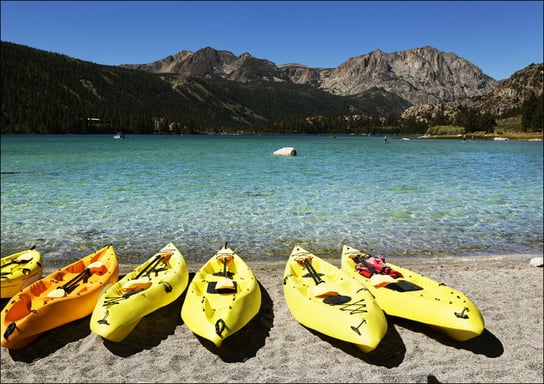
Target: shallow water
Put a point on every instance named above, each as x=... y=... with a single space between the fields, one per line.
x=70 y=195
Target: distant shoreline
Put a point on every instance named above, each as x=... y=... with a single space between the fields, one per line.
x=520 y=136
x=510 y=135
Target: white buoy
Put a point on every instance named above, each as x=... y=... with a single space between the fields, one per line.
x=285 y=151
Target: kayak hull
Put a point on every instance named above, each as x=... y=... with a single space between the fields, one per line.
x=352 y=315
x=422 y=300
x=216 y=313
x=152 y=285
x=68 y=294
x=18 y=270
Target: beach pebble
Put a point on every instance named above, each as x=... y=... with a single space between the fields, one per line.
x=536 y=262
x=285 y=151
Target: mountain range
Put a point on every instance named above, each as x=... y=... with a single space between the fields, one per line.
x=211 y=91
x=419 y=76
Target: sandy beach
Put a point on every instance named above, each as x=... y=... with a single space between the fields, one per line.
x=274 y=347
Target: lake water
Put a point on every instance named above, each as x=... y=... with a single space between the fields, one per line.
x=70 y=195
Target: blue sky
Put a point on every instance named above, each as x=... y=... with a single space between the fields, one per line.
x=500 y=37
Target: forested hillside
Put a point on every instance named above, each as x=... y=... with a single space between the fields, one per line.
x=45 y=92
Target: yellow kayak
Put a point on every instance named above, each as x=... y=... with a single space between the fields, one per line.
x=324 y=298
x=70 y=293
x=152 y=285
x=222 y=297
x=20 y=270
x=413 y=296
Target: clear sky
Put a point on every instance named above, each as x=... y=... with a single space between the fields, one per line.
x=500 y=37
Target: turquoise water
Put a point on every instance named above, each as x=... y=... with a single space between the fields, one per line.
x=70 y=195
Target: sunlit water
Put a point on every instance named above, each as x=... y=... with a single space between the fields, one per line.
x=70 y=195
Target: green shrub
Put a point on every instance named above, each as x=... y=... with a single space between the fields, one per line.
x=441 y=130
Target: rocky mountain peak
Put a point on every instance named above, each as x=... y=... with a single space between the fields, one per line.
x=422 y=75
x=507 y=96
x=211 y=62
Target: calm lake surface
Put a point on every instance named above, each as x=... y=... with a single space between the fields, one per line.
x=70 y=195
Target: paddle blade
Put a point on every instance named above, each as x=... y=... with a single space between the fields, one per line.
x=136 y=285
x=381 y=280
x=225 y=284
x=59 y=292
x=166 y=256
x=98 y=268
x=224 y=259
x=24 y=258
x=324 y=290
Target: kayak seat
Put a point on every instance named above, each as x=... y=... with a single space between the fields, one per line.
x=336 y=300
x=404 y=286
x=212 y=288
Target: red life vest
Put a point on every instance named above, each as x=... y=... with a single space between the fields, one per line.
x=378 y=264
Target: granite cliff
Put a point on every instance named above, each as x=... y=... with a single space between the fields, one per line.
x=419 y=76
